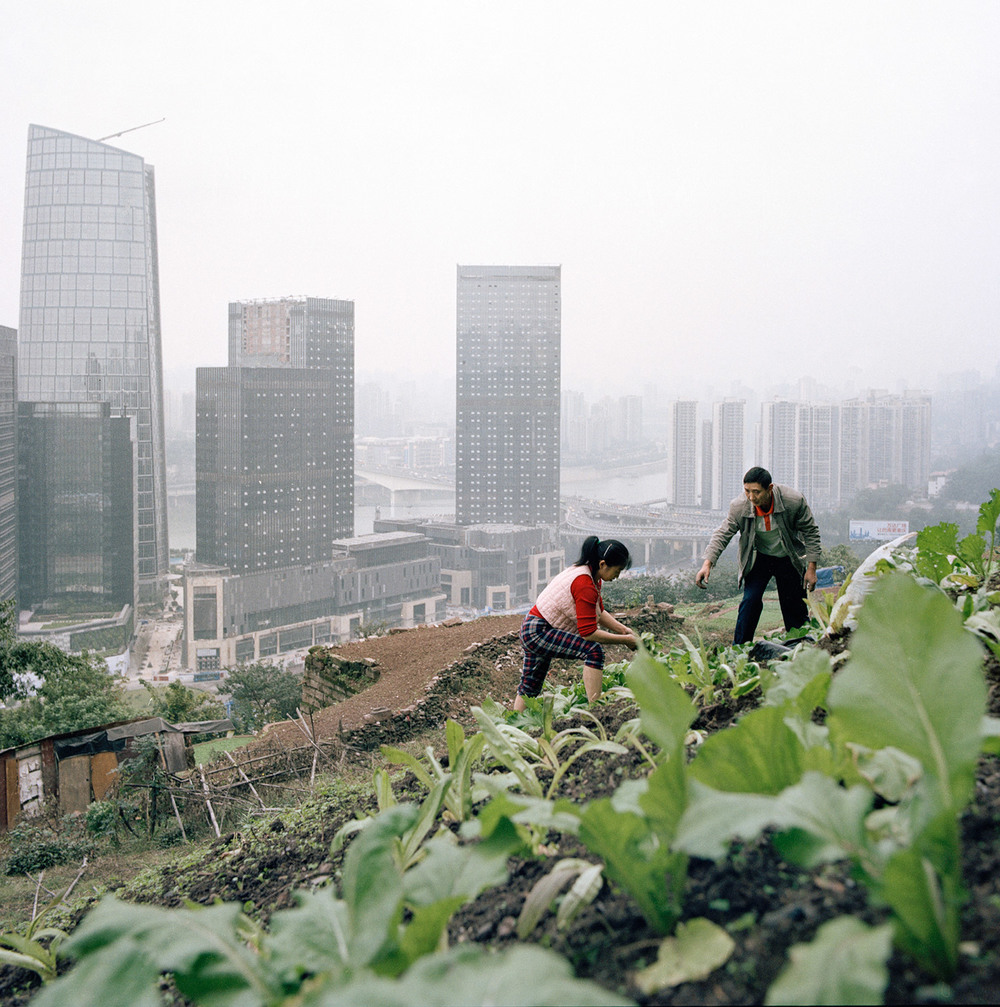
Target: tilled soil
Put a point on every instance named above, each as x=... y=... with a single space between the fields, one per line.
x=766 y=904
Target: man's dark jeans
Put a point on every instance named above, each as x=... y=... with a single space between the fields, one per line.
x=791 y=595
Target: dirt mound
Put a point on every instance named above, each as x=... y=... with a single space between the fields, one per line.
x=408 y=662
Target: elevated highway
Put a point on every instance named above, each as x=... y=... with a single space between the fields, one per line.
x=667 y=533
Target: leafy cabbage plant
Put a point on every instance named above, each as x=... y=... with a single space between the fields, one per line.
x=905 y=721
x=376 y=942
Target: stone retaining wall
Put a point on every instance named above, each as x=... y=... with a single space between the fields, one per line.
x=330 y=678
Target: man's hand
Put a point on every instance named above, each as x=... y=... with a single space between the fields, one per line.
x=701 y=577
x=809 y=578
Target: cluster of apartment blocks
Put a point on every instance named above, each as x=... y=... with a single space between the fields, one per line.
x=591 y=430
x=82 y=474
x=404 y=574
x=275 y=572
x=828 y=451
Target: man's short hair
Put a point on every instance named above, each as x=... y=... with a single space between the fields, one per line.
x=758 y=475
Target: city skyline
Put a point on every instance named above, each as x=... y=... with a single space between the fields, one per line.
x=813 y=183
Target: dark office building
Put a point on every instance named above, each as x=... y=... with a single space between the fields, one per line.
x=507 y=415
x=275 y=437
x=90 y=307
x=76 y=519
x=8 y=463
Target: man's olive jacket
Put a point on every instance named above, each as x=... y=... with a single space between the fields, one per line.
x=793 y=519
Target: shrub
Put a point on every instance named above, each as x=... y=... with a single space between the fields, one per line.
x=101 y=818
x=38 y=843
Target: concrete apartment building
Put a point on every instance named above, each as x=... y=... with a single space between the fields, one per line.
x=274 y=437
x=507 y=395
x=684 y=458
x=728 y=451
x=885 y=440
x=389 y=578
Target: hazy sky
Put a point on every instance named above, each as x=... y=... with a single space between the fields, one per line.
x=734 y=190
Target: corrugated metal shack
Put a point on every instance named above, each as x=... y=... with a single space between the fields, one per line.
x=68 y=771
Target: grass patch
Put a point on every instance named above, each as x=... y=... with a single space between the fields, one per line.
x=722 y=622
x=209 y=751
x=108 y=871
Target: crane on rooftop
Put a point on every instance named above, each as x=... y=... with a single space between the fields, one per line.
x=131 y=129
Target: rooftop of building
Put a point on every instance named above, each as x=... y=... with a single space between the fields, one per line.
x=377 y=540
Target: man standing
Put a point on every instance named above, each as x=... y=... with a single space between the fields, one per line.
x=779 y=539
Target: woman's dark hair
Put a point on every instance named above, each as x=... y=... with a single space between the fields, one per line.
x=613 y=552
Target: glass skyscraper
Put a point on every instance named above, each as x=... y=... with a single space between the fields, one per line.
x=90 y=308
x=507 y=416
x=76 y=506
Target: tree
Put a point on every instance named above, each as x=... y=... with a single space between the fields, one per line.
x=973 y=481
x=66 y=692
x=177 y=704
x=76 y=692
x=262 y=693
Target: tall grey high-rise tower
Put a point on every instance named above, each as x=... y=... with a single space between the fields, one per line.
x=8 y=463
x=90 y=307
x=274 y=436
x=728 y=456
x=685 y=459
x=507 y=401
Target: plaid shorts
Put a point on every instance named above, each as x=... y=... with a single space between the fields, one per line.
x=542 y=642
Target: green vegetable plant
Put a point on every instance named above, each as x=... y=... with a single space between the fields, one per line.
x=408 y=846
x=905 y=721
x=962 y=567
x=968 y=562
x=36 y=947
x=633 y=830
x=709 y=674
x=514 y=748
x=463 y=757
x=376 y=942
x=567 y=700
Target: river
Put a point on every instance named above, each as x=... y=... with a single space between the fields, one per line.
x=632 y=484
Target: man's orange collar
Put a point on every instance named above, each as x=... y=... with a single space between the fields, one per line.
x=765 y=514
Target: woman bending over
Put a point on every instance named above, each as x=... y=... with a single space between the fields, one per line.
x=569 y=620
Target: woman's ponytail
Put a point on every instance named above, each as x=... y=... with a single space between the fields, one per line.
x=613 y=552
x=589 y=554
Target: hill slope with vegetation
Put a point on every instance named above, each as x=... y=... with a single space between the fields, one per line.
x=821 y=827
